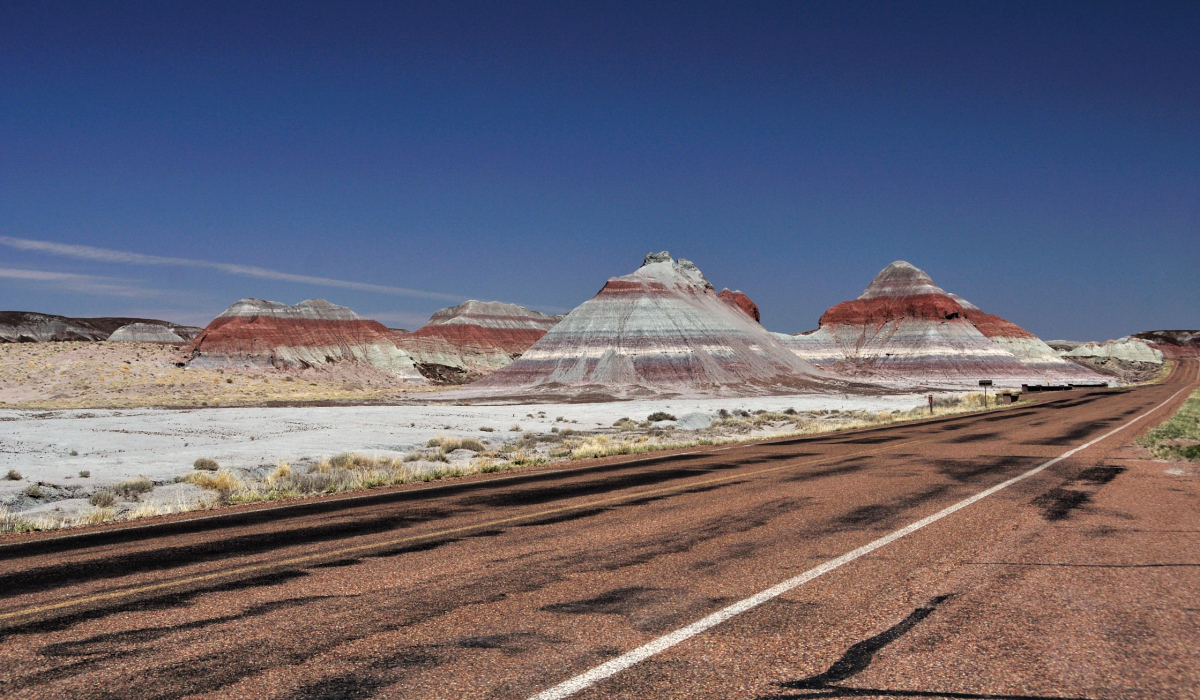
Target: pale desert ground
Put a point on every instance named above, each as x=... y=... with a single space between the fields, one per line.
x=119 y=411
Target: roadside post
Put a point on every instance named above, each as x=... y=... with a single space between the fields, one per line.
x=930 y=397
x=985 y=383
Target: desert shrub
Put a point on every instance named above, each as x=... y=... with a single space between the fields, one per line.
x=433 y=442
x=34 y=491
x=353 y=460
x=659 y=415
x=74 y=453
x=472 y=444
x=84 y=474
x=514 y=428
x=790 y=412
x=102 y=499
x=412 y=457
x=209 y=465
x=134 y=487
x=486 y=429
x=13 y=475
x=722 y=413
x=222 y=480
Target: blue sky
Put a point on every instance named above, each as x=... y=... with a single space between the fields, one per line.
x=1041 y=160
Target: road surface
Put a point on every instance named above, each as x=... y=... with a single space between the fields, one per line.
x=983 y=556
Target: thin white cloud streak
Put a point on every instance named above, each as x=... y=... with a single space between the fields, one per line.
x=89 y=284
x=87 y=252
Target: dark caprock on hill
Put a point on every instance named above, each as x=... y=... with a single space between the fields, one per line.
x=33 y=327
x=1173 y=345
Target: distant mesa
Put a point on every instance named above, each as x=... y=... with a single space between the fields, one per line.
x=662 y=327
x=742 y=302
x=1127 y=349
x=1173 y=345
x=312 y=333
x=145 y=333
x=465 y=342
x=904 y=327
x=33 y=327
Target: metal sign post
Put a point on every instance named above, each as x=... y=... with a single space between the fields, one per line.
x=985 y=383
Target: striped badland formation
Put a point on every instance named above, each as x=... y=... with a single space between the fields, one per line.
x=254 y=332
x=663 y=326
x=474 y=338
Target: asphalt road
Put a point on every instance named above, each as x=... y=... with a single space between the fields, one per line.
x=1080 y=580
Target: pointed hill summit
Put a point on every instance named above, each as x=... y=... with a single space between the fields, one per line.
x=473 y=339
x=661 y=327
x=254 y=332
x=904 y=327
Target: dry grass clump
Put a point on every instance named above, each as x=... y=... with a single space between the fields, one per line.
x=223 y=481
x=14 y=522
x=657 y=416
x=605 y=446
x=471 y=444
x=206 y=464
x=34 y=491
x=344 y=472
x=134 y=488
x=102 y=499
x=12 y=475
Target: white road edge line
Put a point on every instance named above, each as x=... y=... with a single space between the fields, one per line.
x=615 y=666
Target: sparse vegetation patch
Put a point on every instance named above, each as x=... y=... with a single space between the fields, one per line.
x=134 y=488
x=102 y=499
x=1179 y=436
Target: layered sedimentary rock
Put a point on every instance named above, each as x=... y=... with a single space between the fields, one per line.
x=32 y=327
x=662 y=327
x=145 y=333
x=1127 y=359
x=904 y=327
x=742 y=302
x=474 y=339
x=1025 y=346
x=312 y=333
x=1173 y=344
x=1125 y=349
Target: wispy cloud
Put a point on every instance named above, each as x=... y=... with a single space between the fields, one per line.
x=89 y=284
x=86 y=252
